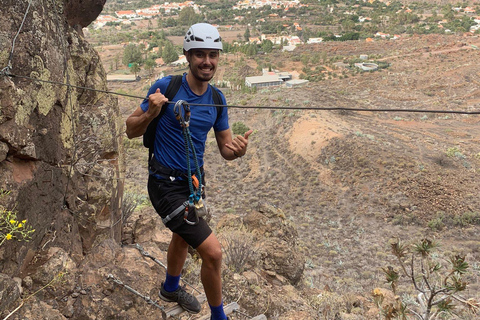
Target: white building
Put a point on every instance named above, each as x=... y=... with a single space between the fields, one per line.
x=126 y=14
x=181 y=60
x=263 y=81
x=296 y=83
x=268 y=79
x=314 y=40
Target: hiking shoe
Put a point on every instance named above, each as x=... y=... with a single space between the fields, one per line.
x=186 y=300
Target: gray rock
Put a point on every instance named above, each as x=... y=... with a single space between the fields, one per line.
x=9 y=292
x=27 y=282
x=3 y=151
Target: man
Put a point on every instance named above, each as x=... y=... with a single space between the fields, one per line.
x=168 y=183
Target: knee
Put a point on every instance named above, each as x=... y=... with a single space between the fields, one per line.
x=213 y=256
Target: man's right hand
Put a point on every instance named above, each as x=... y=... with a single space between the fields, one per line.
x=138 y=121
x=155 y=102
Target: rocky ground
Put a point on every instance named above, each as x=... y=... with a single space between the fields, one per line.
x=350 y=182
x=307 y=216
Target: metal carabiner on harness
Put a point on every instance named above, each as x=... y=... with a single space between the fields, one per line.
x=191 y=208
x=183 y=119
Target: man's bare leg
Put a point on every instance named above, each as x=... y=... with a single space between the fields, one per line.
x=170 y=289
x=176 y=255
x=211 y=253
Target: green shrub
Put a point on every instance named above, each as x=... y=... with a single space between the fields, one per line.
x=436 y=224
x=239 y=128
x=437 y=284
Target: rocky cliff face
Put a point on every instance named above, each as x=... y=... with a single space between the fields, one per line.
x=59 y=146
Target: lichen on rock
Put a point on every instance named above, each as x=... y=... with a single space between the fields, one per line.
x=59 y=146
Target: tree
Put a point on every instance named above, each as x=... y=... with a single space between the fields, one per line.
x=116 y=60
x=135 y=69
x=150 y=65
x=187 y=17
x=305 y=59
x=348 y=25
x=169 y=54
x=251 y=50
x=267 y=46
x=437 y=285
x=246 y=35
x=449 y=16
x=132 y=54
x=169 y=22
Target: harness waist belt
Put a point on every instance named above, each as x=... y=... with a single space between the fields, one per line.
x=156 y=168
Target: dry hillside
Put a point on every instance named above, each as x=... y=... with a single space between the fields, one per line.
x=353 y=181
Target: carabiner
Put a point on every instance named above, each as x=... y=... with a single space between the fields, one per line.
x=190 y=208
x=184 y=120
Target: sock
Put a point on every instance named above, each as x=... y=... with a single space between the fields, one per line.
x=171 y=283
x=217 y=312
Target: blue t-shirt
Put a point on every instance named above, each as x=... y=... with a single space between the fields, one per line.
x=169 y=147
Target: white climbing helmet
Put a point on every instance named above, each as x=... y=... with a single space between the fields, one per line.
x=202 y=36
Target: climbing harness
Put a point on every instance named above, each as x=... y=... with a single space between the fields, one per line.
x=197 y=189
x=146 y=298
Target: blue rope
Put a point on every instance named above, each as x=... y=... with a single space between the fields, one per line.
x=194 y=196
x=188 y=142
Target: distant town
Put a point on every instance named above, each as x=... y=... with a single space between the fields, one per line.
x=292 y=21
x=168 y=8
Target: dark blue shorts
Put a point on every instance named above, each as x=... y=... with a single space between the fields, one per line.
x=166 y=196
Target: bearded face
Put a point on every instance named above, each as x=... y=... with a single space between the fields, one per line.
x=203 y=63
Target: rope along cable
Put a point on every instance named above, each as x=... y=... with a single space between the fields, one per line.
x=7 y=69
x=195 y=195
x=262 y=107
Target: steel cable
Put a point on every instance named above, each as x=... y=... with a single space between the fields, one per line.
x=262 y=107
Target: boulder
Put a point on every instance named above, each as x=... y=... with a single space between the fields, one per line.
x=82 y=13
x=34 y=308
x=64 y=161
x=9 y=294
x=278 y=242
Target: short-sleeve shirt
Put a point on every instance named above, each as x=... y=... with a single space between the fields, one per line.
x=169 y=147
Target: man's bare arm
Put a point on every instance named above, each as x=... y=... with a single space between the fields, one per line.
x=138 y=121
x=231 y=149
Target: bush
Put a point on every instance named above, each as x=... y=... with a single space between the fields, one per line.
x=239 y=249
x=436 y=280
x=239 y=128
x=130 y=202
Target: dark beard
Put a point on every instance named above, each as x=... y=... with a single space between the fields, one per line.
x=197 y=76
